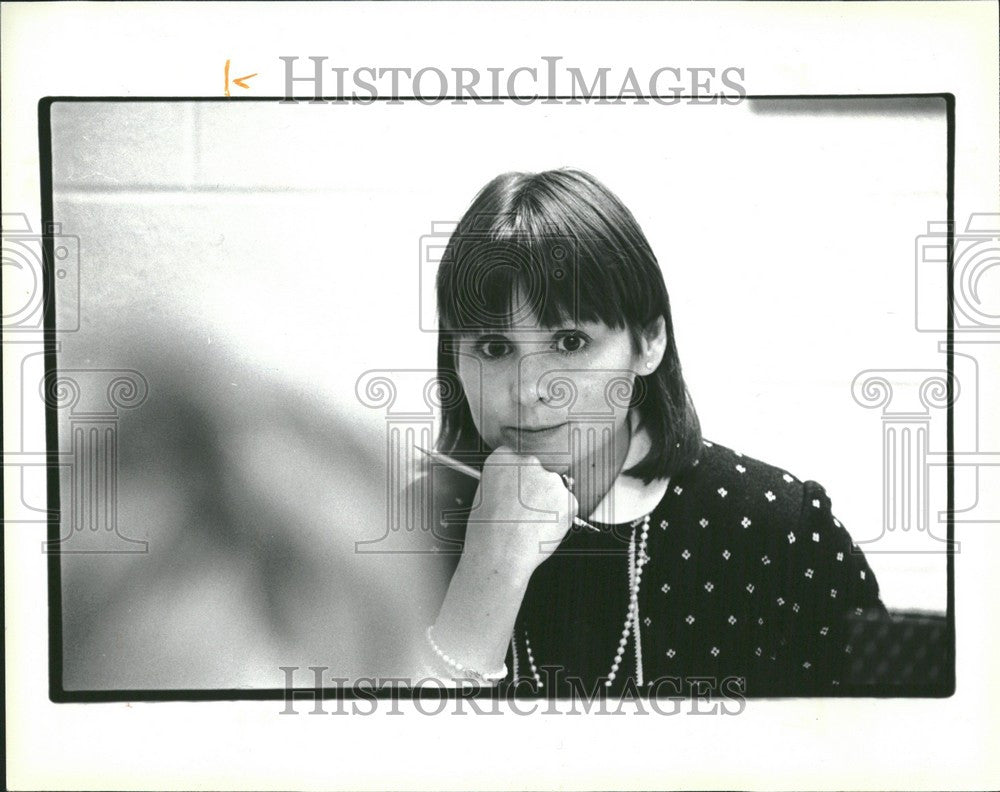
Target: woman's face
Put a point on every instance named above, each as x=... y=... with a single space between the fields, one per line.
x=561 y=394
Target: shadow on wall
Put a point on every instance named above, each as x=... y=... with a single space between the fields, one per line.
x=251 y=497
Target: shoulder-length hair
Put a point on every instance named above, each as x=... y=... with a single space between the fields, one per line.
x=568 y=243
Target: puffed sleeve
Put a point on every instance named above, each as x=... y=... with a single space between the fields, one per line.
x=831 y=581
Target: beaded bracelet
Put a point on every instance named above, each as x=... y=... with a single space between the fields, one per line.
x=492 y=676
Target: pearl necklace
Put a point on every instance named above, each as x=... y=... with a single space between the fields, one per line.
x=636 y=561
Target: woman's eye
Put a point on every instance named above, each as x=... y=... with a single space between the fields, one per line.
x=571 y=342
x=493 y=346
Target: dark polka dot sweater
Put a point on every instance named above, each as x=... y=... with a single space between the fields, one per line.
x=746 y=574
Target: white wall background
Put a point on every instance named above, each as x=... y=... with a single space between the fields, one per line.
x=271 y=253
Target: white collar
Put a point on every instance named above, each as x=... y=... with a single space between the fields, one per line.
x=630 y=498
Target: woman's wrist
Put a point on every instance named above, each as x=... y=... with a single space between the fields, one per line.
x=502 y=563
x=497 y=582
x=474 y=625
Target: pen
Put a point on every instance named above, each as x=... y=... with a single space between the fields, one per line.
x=472 y=472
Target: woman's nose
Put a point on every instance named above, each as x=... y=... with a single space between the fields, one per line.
x=531 y=380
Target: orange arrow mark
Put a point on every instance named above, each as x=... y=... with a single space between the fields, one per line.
x=237 y=80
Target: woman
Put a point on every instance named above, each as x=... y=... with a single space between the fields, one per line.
x=605 y=537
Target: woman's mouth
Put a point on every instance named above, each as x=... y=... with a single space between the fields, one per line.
x=526 y=434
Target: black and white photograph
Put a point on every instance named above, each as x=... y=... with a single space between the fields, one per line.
x=450 y=385
x=466 y=423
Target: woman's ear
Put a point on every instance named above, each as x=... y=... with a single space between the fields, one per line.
x=653 y=345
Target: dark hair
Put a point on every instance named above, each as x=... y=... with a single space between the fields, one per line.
x=566 y=242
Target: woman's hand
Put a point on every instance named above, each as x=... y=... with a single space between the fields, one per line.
x=524 y=513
